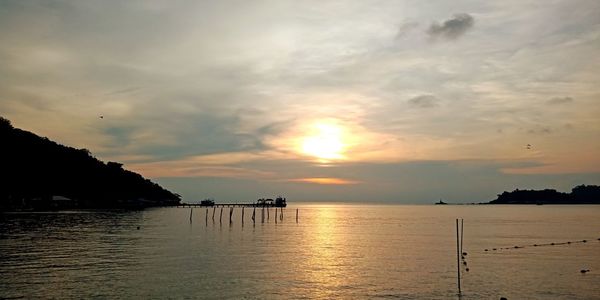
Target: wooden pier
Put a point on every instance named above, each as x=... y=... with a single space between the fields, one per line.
x=226 y=205
x=277 y=202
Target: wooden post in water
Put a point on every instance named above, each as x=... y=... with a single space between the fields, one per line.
x=253 y=215
x=275 y=214
x=296 y=215
x=191 y=210
x=206 y=218
x=458 y=257
x=214 y=208
x=268 y=216
x=281 y=214
x=242 y=215
x=230 y=214
x=221 y=216
x=461 y=237
x=262 y=215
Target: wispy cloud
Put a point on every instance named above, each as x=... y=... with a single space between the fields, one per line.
x=405 y=28
x=325 y=180
x=560 y=100
x=424 y=101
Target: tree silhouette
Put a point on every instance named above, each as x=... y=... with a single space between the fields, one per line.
x=34 y=169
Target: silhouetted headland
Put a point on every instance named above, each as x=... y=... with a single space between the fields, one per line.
x=39 y=174
x=582 y=194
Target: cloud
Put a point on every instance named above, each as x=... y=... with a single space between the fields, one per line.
x=424 y=101
x=540 y=130
x=560 y=100
x=325 y=180
x=406 y=28
x=452 y=28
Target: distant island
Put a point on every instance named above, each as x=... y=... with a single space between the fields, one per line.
x=582 y=194
x=39 y=174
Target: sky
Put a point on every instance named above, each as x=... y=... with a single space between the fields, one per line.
x=366 y=101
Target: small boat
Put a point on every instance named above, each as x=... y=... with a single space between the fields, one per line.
x=441 y=202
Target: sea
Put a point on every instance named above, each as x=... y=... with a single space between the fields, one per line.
x=330 y=251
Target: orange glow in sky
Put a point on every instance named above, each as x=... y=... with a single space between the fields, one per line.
x=325 y=142
x=325 y=180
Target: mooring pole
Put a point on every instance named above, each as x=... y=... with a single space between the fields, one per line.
x=221 y=216
x=281 y=214
x=262 y=215
x=242 y=215
x=461 y=237
x=214 y=208
x=458 y=257
x=268 y=216
x=296 y=215
x=191 y=210
x=230 y=214
x=253 y=215
x=206 y=218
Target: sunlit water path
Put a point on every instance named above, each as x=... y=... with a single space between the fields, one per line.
x=334 y=251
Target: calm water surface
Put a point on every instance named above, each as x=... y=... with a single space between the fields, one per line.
x=336 y=251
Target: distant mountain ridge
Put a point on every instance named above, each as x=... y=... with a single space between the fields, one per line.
x=38 y=174
x=582 y=194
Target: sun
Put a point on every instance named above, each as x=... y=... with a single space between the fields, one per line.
x=325 y=142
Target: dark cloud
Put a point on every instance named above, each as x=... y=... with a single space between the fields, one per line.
x=560 y=100
x=424 y=101
x=452 y=28
x=422 y=181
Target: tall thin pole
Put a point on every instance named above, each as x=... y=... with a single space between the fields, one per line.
x=230 y=214
x=296 y=215
x=221 y=216
x=206 y=217
x=242 y=215
x=213 y=217
x=461 y=236
x=191 y=210
x=458 y=257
